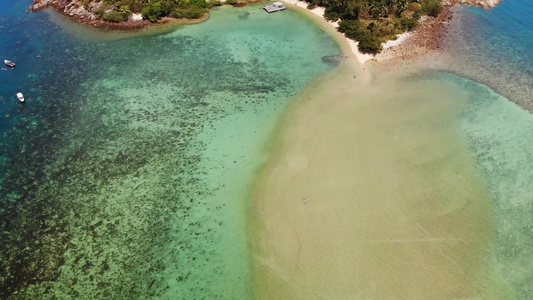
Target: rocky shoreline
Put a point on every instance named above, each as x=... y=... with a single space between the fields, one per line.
x=486 y=4
x=86 y=14
x=424 y=39
x=74 y=9
x=429 y=35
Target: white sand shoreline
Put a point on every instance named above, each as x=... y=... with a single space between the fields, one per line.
x=361 y=57
x=319 y=11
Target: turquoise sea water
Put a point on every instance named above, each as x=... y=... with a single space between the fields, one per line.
x=496 y=47
x=126 y=173
x=500 y=134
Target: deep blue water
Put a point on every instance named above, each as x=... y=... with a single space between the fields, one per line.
x=23 y=37
x=506 y=31
x=495 y=47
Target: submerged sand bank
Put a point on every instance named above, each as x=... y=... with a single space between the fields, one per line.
x=394 y=206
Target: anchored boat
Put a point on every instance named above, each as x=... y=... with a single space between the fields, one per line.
x=20 y=97
x=9 y=63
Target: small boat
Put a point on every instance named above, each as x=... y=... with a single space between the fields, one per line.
x=9 y=63
x=20 y=97
x=274 y=7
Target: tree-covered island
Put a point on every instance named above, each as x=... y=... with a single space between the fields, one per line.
x=370 y=22
x=122 y=11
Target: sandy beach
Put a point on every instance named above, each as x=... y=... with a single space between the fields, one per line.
x=370 y=193
x=319 y=11
x=371 y=190
x=389 y=47
x=423 y=40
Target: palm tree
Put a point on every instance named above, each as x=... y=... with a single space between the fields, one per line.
x=401 y=6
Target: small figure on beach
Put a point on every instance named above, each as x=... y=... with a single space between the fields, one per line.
x=305 y=200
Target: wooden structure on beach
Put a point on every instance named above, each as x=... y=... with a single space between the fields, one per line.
x=274 y=7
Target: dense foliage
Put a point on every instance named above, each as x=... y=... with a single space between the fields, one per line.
x=372 y=22
x=153 y=10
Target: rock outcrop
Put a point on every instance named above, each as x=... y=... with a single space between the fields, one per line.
x=72 y=8
x=483 y=3
x=41 y=4
x=87 y=14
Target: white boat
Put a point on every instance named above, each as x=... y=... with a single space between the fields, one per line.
x=20 y=97
x=276 y=6
x=9 y=63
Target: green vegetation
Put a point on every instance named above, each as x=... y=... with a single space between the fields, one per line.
x=432 y=7
x=153 y=10
x=121 y=14
x=371 y=22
